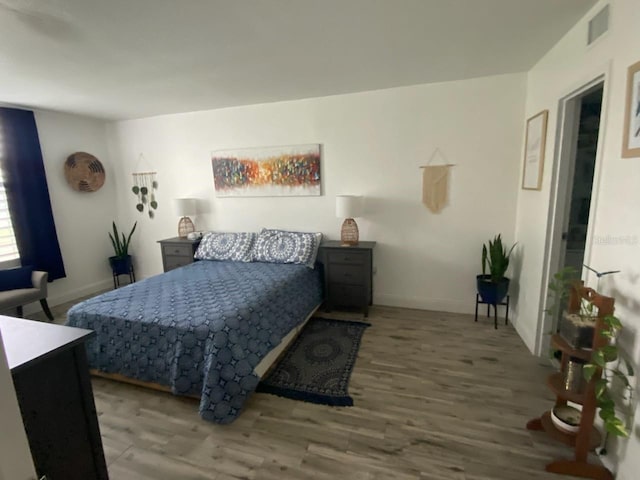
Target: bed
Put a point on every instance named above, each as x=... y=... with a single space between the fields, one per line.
x=209 y=329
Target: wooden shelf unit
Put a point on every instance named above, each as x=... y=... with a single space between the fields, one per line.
x=588 y=437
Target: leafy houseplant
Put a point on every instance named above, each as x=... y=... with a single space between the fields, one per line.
x=559 y=288
x=608 y=359
x=494 y=286
x=121 y=261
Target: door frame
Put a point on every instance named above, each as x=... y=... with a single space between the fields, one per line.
x=563 y=160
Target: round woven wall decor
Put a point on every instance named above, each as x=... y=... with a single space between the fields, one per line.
x=84 y=172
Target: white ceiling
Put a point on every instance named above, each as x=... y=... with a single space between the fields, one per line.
x=135 y=58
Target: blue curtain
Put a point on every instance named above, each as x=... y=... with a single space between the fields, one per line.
x=28 y=193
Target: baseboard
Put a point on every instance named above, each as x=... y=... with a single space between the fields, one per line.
x=71 y=295
x=422 y=303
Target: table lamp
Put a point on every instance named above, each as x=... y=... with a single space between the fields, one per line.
x=184 y=208
x=348 y=207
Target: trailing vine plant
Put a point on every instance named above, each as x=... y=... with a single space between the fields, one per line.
x=615 y=369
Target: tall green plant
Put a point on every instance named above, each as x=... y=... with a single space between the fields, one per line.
x=496 y=257
x=121 y=246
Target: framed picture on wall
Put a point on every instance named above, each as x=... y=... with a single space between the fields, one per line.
x=291 y=170
x=631 y=142
x=534 y=146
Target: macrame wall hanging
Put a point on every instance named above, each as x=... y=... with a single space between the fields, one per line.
x=144 y=188
x=435 y=182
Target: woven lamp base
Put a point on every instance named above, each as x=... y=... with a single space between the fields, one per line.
x=185 y=227
x=349 y=234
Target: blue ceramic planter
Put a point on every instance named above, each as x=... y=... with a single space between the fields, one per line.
x=120 y=265
x=492 y=292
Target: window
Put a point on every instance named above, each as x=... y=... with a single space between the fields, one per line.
x=9 y=256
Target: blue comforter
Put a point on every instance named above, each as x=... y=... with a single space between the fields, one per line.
x=200 y=329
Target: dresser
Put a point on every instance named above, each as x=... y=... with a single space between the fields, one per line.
x=348 y=274
x=49 y=367
x=177 y=252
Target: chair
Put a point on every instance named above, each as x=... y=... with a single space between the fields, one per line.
x=21 y=296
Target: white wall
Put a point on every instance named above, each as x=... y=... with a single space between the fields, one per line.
x=567 y=66
x=82 y=219
x=15 y=456
x=372 y=144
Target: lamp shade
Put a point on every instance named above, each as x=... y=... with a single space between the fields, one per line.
x=348 y=206
x=185 y=206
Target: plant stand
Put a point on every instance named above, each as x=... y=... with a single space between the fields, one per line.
x=116 y=277
x=495 y=310
x=588 y=437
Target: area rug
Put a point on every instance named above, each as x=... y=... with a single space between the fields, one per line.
x=316 y=368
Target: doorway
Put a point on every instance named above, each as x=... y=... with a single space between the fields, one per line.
x=574 y=235
x=569 y=238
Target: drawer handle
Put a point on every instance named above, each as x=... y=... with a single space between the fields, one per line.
x=347 y=275
x=177 y=250
x=346 y=259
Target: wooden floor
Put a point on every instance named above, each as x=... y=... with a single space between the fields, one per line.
x=437 y=396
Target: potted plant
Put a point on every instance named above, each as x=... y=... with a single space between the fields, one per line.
x=576 y=328
x=613 y=389
x=121 y=261
x=494 y=286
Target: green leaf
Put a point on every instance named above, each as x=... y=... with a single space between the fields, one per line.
x=598 y=358
x=589 y=370
x=609 y=353
x=606 y=414
x=616 y=427
x=601 y=387
x=113 y=242
x=605 y=402
x=613 y=322
x=484 y=259
x=131 y=233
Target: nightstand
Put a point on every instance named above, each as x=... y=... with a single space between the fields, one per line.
x=177 y=252
x=348 y=274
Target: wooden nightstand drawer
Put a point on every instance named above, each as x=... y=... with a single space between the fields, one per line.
x=176 y=249
x=347 y=295
x=347 y=274
x=175 y=261
x=177 y=252
x=356 y=258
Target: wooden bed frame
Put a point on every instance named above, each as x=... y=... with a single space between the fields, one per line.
x=261 y=369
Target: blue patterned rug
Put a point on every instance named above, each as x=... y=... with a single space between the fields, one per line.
x=316 y=368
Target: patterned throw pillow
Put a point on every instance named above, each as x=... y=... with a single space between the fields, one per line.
x=280 y=246
x=226 y=246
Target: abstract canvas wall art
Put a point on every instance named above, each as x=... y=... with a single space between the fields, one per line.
x=292 y=170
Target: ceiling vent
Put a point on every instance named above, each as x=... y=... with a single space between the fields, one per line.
x=598 y=25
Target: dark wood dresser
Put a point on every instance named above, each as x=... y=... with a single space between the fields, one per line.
x=49 y=367
x=177 y=252
x=348 y=274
